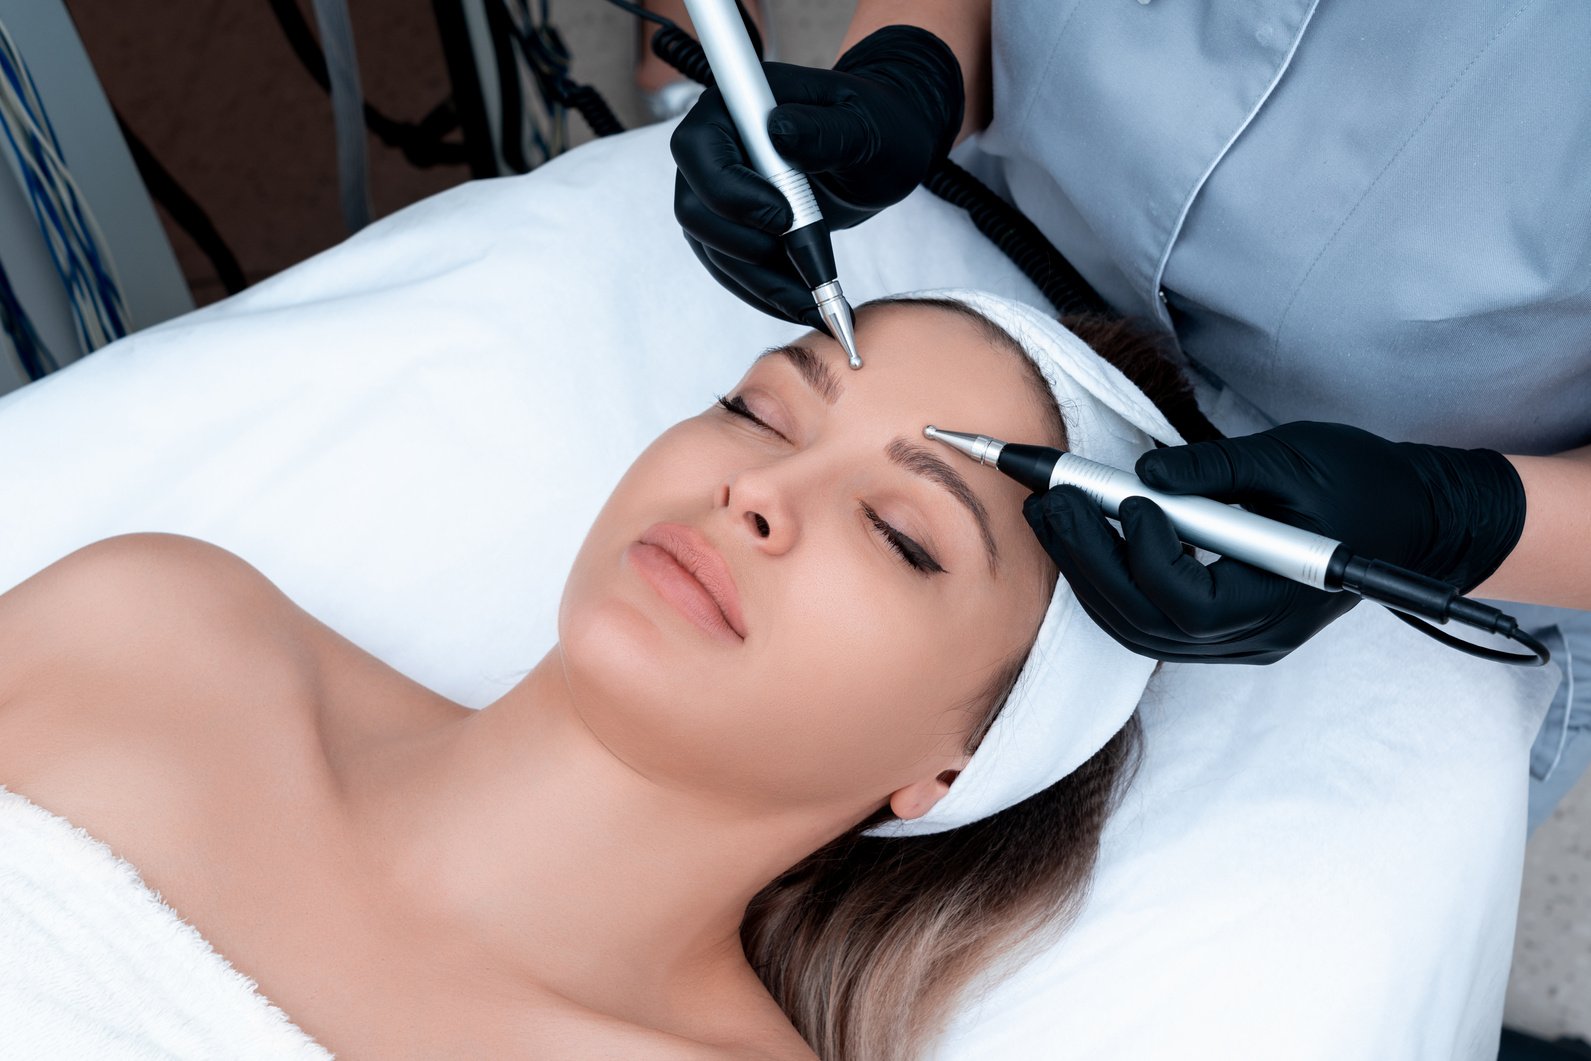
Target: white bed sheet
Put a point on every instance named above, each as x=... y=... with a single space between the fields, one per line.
x=411 y=432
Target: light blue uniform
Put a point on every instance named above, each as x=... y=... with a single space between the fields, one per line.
x=1367 y=211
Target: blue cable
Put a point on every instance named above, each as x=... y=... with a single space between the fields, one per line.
x=64 y=220
x=37 y=361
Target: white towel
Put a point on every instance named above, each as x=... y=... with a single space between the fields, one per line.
x=93 y=964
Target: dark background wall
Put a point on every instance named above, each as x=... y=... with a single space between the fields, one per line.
x=212 y=87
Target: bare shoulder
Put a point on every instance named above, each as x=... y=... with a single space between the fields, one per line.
x=126 y=601
x=146 y=649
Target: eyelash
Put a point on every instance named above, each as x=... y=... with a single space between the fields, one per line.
x=737 y=405
x=904 y=547
x=912 y=554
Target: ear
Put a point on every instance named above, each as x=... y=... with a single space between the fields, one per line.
x=919 y=797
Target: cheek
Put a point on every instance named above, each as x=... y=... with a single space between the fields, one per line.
x=670 y=476
x=860 y=682
x=883 y=678
x=836 y=701
x=614 y=652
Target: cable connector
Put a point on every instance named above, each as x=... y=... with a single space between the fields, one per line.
x=1409 y=593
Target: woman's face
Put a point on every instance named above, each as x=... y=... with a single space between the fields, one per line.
x=867 y=613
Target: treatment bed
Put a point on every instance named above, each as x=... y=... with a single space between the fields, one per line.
x=410 y=433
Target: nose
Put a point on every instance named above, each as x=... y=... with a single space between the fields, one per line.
x=760 y=510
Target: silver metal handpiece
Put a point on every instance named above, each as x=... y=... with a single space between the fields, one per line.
x=746 y=94
x=836 y=313
x=1268 y=544
x=981 y=448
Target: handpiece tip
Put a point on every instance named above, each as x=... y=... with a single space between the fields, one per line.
x=838 y=319
x=981 y=448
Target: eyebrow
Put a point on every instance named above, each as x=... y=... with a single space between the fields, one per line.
x=909 y=455
x=919 y=461
x=816 y=371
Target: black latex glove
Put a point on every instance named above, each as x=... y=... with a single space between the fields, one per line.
x=864 y=133
x=1448 y=513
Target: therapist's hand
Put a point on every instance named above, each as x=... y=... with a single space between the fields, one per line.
x=1448 y=513
x=865 y=133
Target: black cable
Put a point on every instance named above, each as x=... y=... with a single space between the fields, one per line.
x=685 y=51
x=549 y=58
x=595 y=110
x=1408 y=594
x=681 y=51
x=422 y=143
x=453 y=30
x=302 y=40
x=1020 y=240
x=510 y=101
x=544 y=54
x=1540 y=656
x=640 y=12
x=184 y=210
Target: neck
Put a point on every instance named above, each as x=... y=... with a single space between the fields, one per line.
x=516 y=829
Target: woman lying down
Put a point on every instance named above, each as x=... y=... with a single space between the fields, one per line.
x=820 y=743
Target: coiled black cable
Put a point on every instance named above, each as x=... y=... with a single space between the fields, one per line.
x=1018 y=238
x=683 y=52
x=594 y=109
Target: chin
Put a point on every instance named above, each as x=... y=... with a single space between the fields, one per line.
x=614 y=653
x=644 y=694
x=614 y=637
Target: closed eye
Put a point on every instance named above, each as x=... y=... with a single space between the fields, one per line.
x=915 y=555
x=736 y=405
x=910 y=552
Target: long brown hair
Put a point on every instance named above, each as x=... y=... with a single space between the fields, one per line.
x=868 y=943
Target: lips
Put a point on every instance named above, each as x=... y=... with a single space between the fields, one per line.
x=705 y=565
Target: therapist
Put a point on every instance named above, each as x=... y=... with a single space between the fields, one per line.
x=1361 y=212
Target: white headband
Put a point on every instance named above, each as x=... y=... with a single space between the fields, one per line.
x=1078 y=686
